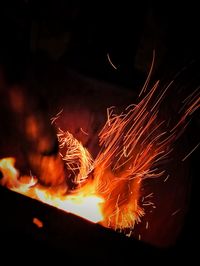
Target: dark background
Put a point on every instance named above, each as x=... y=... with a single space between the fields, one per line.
x=79 y=34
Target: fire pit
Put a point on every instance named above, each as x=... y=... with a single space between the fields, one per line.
x=124 y=199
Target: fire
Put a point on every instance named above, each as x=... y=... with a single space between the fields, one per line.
x=107 y=189
x=83 y=203
x=87 y=207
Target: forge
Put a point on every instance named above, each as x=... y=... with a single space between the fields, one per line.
x=111 y=158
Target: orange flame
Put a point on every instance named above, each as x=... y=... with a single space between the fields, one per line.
x=83 y=203
x=108 y=189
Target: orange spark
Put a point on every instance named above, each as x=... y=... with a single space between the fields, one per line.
x=77 y=158
x=111 y=63
x=190 y=152
x=37 y=222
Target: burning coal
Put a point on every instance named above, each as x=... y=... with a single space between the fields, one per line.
x=107 y=189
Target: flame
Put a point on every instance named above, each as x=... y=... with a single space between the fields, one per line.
x=83 y=203
x=107 y=189
x=87 y=207
x=9 y=172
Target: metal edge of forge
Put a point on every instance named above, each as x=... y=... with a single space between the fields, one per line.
x=63 y=235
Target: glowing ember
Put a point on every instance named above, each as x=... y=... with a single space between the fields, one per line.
x=108 y=189
x=37 y=222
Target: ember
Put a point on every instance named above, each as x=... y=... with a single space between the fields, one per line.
x=37 y=222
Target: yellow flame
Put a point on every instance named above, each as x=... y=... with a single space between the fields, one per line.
x=9 y=172
x=83 y=203
x=87 y=207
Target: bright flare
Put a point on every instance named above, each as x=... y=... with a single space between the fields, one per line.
x=83 y=203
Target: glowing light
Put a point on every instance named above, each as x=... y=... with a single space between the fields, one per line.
x=37 y=222
x=87 y=207
x=111 y=63
x=107 y=189
x=83 y=203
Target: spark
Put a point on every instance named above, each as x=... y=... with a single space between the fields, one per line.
x=162 y=94
x=111 y=63
x=166 y=178
x=77 y=158
x=109 y=113
x=189 y=97
x=175 y=212
x=190 y=152
x=147 y=225
x=149 y=75
x=84 y=131
x=53 y=119
x=129 y=152
x=142 y=199
x=38 y=222
x=148 y=203
x=149 y=195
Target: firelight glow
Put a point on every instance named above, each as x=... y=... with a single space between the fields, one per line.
x=83 y=204
x=107 y=189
